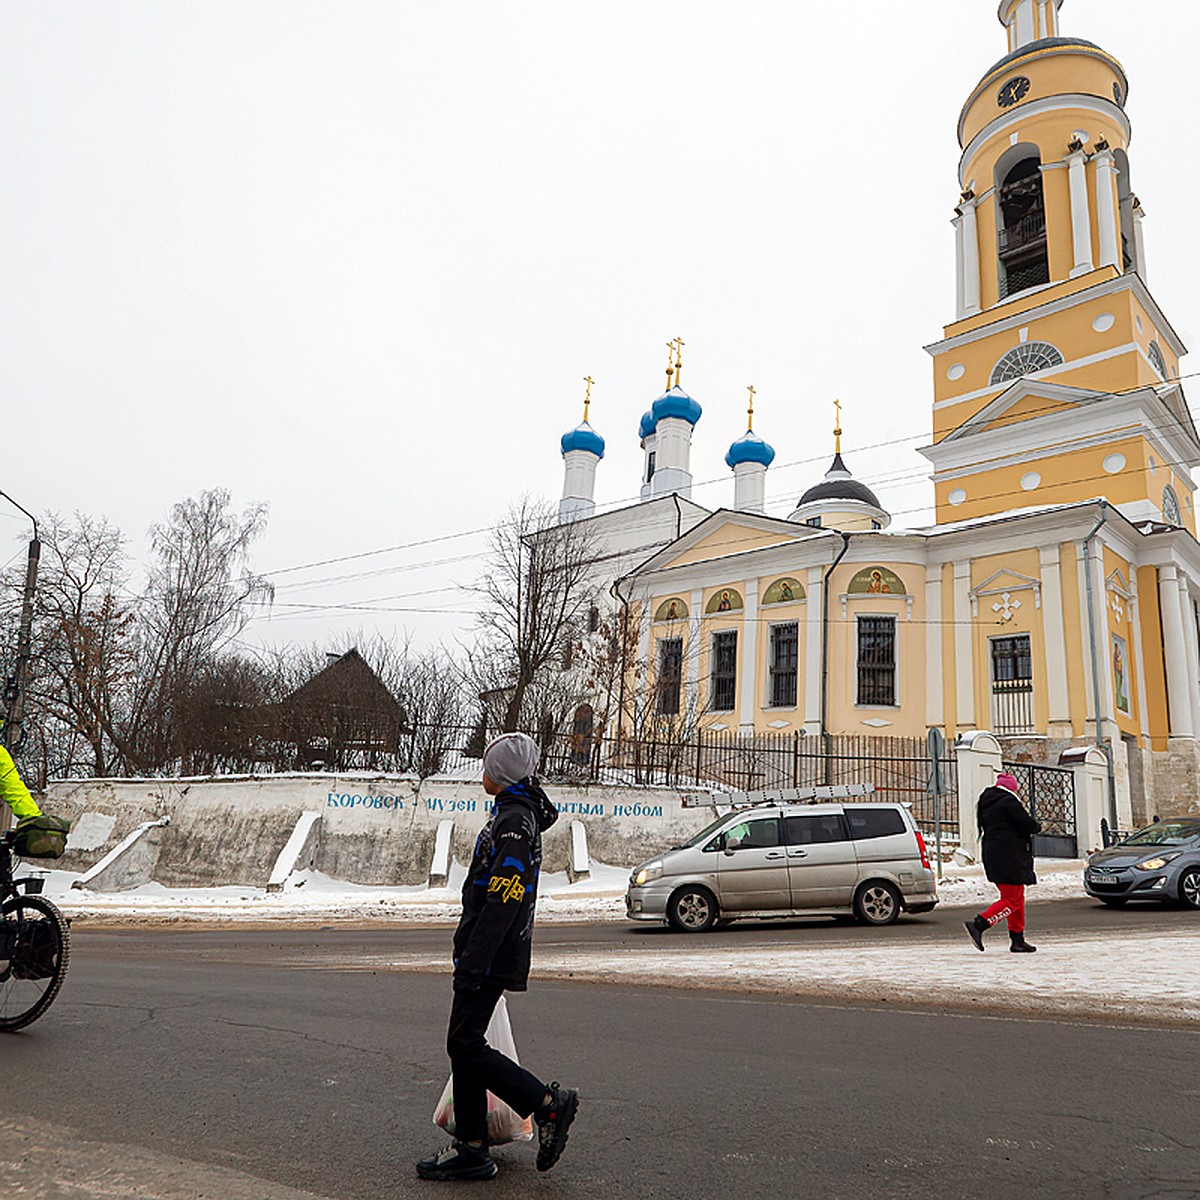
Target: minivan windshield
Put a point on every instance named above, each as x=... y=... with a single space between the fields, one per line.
x=1165 y=833
x=703 y=835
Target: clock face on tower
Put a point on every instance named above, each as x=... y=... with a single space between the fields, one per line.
x=1012 y=90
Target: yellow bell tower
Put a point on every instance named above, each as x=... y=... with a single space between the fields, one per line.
x=1058 y=381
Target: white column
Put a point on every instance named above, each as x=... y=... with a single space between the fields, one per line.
x=1175 y=651
x=1108 y=696
x=1138 y=243
x=749 y=487
x=1106 y=210
x=964 y=649
x=1085 y=641
x=579 y=485
x=1057 y=697
x=935 y=708
x=1188 y=616
x=750 y=681
x=970 y=258
x=959 y=301
x=812 y=653
x=1081 y=225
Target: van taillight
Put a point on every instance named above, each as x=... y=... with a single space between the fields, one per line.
x=924 y=852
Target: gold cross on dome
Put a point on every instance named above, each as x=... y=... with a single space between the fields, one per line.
x=837 y=428
x=750 y=410
x=670 y=362
x=588 y=398
x=679 y=344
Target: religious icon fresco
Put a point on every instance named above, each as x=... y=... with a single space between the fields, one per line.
x=725 y=600
x=877 y=581
x=1120 y=676
x=784 y=591
x=674 y=609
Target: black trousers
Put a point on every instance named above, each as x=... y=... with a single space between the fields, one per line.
x=479 y=1068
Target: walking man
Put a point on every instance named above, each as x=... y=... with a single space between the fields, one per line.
x=491 y=955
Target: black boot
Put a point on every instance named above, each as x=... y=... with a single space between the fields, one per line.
x=975 y=928
x=1019 y=944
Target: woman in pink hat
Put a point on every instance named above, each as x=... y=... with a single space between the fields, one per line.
x=1007 y=830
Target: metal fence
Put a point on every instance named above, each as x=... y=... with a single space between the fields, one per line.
x=1049 y=794
x=898 y=767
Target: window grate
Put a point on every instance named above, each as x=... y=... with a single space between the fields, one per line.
x=724 y=672
x=785 y=645
x=876 y=660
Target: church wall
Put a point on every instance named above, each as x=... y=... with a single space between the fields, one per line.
x=729 y=539
x=1122 y=670
x=1153 y=668
x=1078 y=677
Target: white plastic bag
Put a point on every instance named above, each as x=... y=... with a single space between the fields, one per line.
x=504 y=1123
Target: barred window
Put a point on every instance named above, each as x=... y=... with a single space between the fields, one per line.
x=1156 y=359
x=670 y=675
x=876 y=660
x=785 y=642
x=724 y=670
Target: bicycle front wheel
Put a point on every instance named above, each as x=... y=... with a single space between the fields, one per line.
x=34 y=951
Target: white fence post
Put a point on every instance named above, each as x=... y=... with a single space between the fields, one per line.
x=979 y=762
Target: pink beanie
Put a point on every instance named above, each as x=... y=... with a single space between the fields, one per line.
x=1007 y=781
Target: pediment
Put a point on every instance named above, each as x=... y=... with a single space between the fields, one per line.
x=1005 y=584
x=1023 y=400
x=725 y=533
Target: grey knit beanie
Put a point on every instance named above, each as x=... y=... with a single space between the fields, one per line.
x=511 y=758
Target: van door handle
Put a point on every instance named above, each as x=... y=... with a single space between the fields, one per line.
x=774 y=854
x=798 y=853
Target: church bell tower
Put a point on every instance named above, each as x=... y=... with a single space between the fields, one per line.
x=1058 y=380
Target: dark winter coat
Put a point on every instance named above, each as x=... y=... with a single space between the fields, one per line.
x=495 y=932
x=1007 y=837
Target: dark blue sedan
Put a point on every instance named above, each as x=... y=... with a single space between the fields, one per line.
x=1160 y=862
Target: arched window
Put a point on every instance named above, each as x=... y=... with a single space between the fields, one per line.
x=1155 y=355
x=1170 y=507
x=1025 y=359
x=1021 y=221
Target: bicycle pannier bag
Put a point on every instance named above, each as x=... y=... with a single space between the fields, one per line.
x=33 y=955
x=41 y=837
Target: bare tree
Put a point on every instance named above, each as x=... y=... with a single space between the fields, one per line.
x=535 y=596
x=84 y=647
x=197 y=599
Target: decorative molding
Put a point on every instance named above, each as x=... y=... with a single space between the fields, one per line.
x=846 y=597
x=1006 y=606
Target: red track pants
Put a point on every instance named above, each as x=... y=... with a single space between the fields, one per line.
x=1011 y=905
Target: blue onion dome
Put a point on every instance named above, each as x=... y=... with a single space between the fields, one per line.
x=676 y=403
x=646 y=427
x=583 y=437
x=750 y=448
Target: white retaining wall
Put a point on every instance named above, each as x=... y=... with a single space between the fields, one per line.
x=373 y=829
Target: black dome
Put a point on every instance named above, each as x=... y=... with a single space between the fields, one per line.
x=839 y=489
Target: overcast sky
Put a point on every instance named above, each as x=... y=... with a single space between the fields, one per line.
x=354 y=259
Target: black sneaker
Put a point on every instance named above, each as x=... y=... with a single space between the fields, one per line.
x=1020 y=945
x=975 y=927
x=553 y=1121
x=458 y=1161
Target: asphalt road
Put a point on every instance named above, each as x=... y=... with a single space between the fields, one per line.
x=180 y=1065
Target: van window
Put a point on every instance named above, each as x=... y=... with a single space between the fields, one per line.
x=805 y=831
x=874 y=822
x=756 y=835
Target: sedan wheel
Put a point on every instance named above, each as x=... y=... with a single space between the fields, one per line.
x=692 y=910
x=877 y=903
x=1189 y=888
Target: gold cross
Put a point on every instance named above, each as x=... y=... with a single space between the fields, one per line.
x=588 y=398
x=837 y=429
x=679 y=343
x=670 y=364
x=750 y=410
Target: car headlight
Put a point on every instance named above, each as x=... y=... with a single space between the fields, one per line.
x=648 y=872
x=1157 y=863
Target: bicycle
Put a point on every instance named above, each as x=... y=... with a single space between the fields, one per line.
x=35 y=945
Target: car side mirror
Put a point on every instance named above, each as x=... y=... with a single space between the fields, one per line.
x=732 y=844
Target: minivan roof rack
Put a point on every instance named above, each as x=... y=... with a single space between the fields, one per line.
x=805 y=795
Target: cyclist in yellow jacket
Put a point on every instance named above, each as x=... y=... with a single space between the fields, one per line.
x=13 y=791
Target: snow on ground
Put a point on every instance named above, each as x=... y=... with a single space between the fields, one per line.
x=1094 y=975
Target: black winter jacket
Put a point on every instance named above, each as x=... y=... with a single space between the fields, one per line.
x=1007 y=837
x=495 y=932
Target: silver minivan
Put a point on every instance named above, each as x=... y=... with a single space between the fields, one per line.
x=787 y=860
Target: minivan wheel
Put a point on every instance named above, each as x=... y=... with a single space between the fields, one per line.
x=692 y=910
x=877 y=903
x=1189 y=888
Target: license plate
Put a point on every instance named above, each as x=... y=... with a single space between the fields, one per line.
x=1109 y=880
